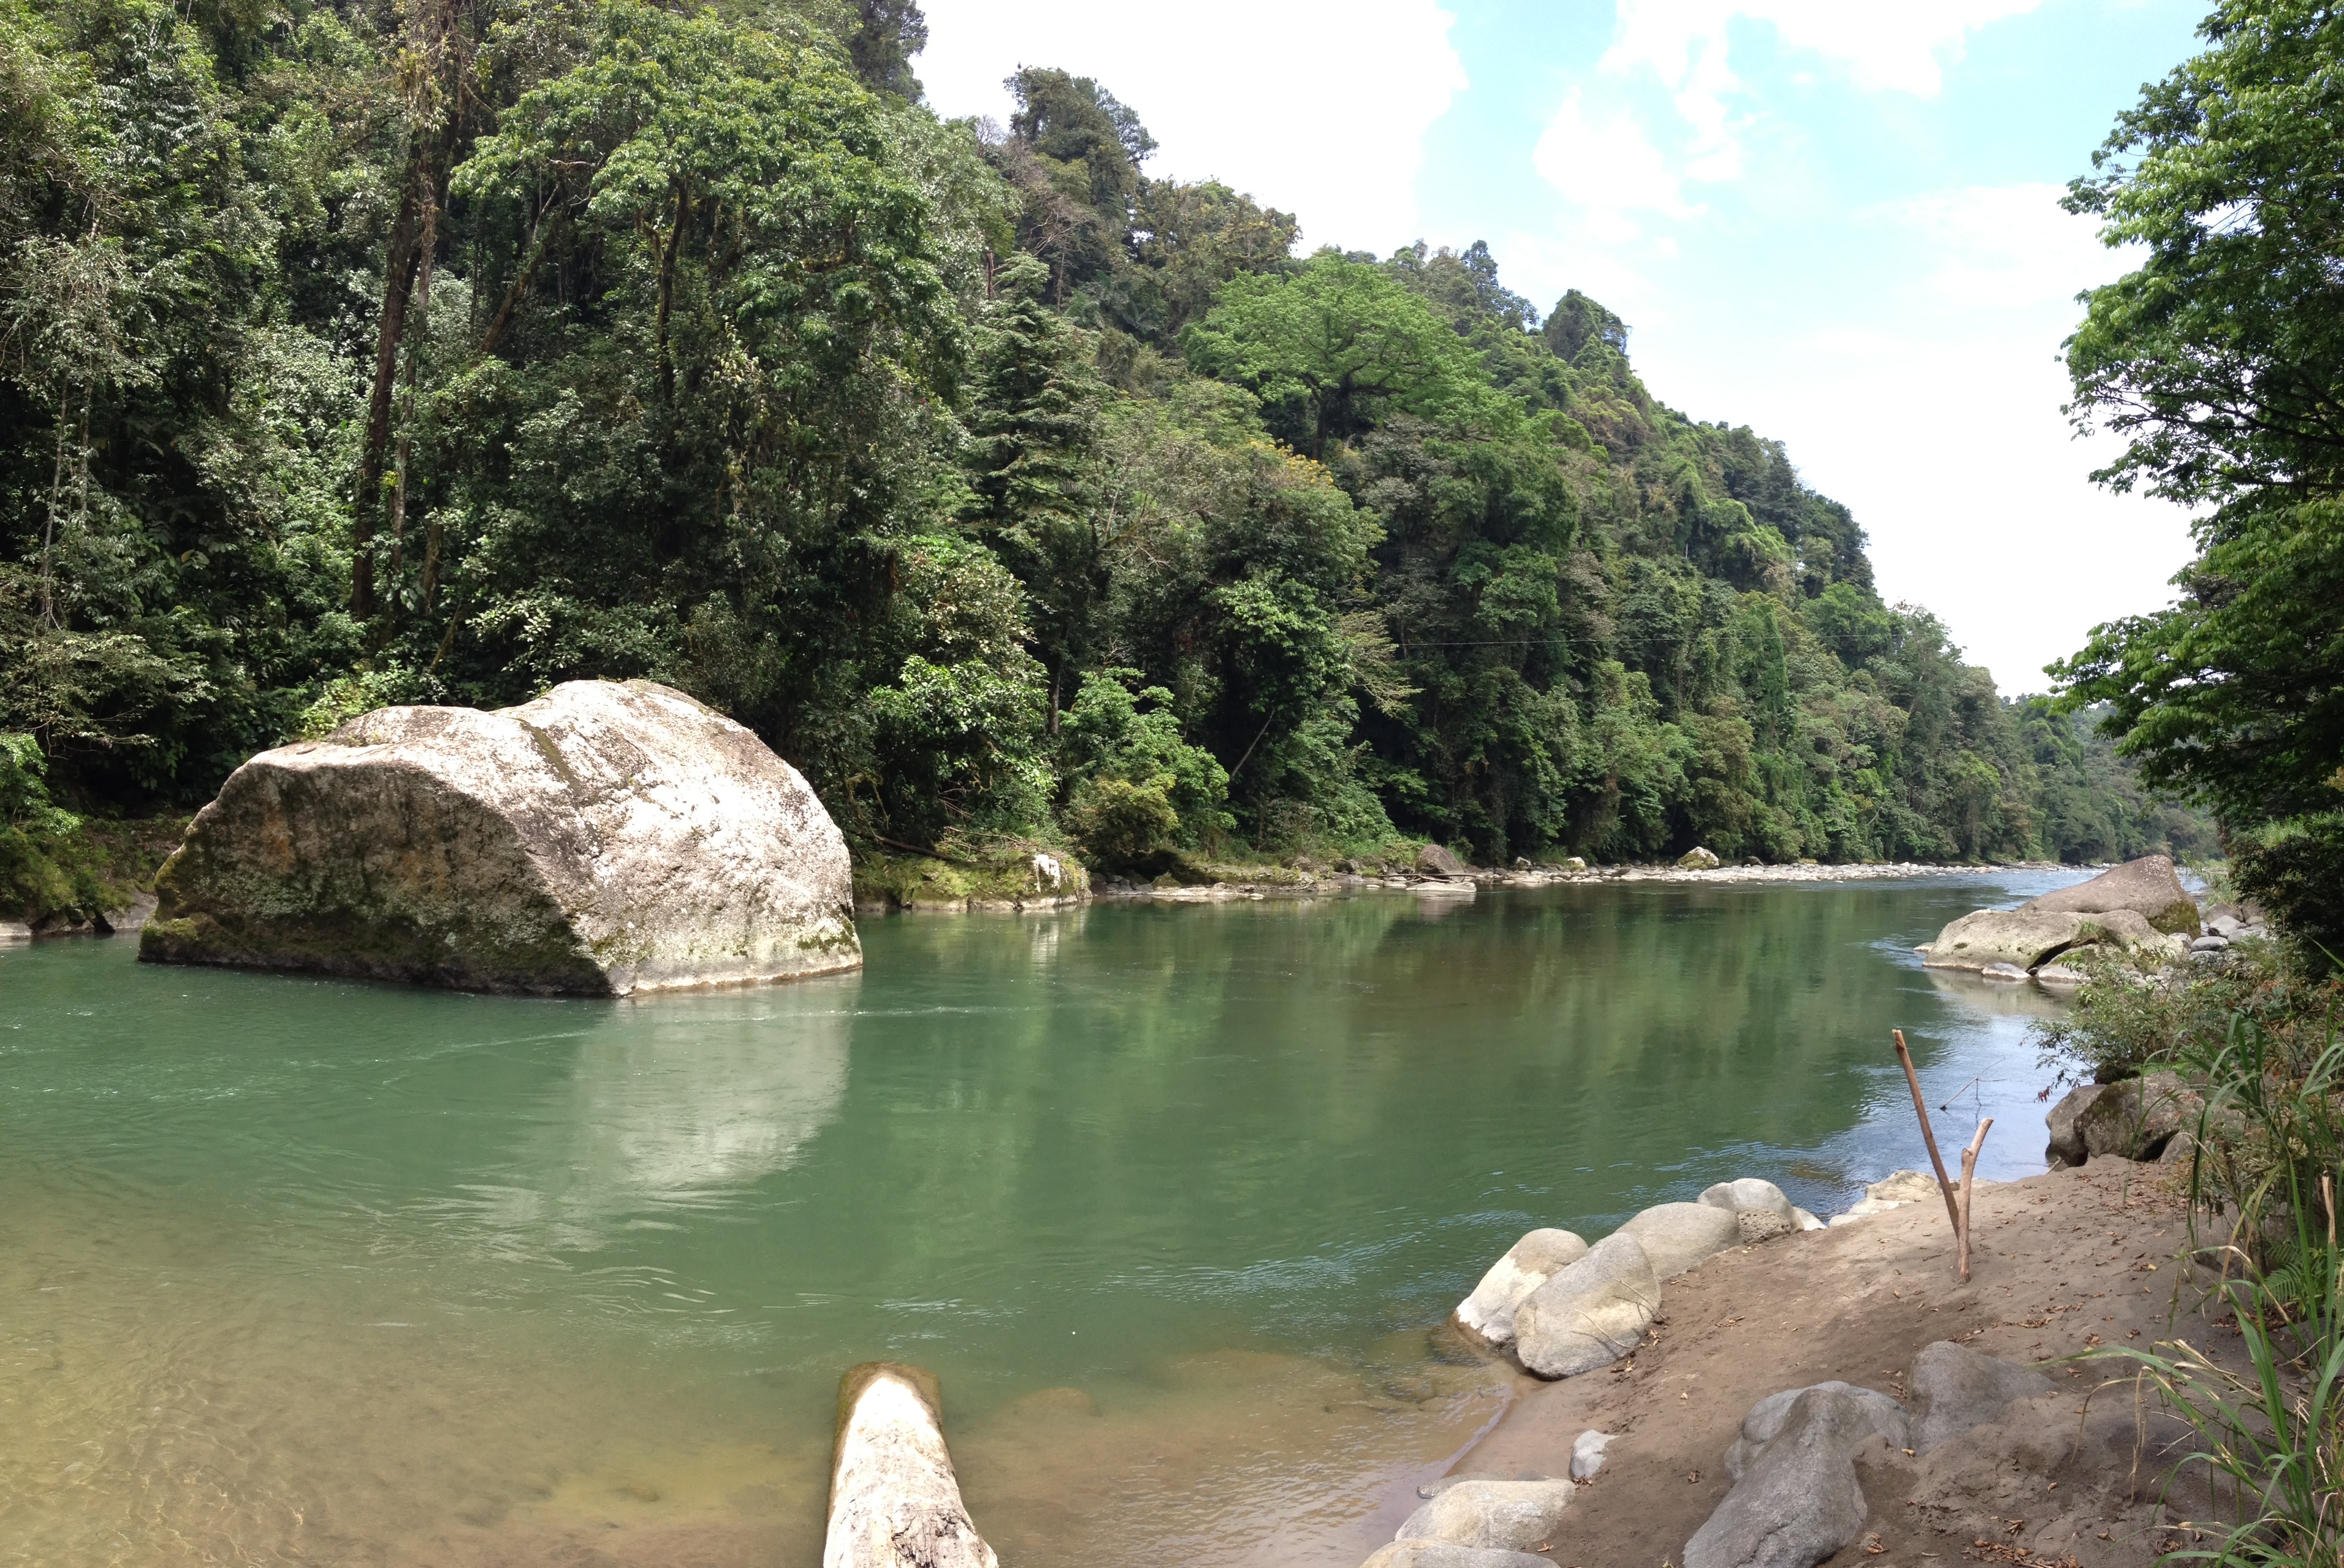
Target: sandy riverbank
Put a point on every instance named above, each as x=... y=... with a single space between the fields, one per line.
x=2062 y=1263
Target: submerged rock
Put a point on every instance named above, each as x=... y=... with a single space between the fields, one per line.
x=1590 y=1313
x=2148 y=888
x=1954 y=1388
x=1489 y=1311
x=893 y=1501
x=604 y=839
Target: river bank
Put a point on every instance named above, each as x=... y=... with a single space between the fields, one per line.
x=891 y=885
x=2064 y=1265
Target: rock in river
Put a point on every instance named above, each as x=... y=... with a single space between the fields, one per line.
x=2148 y=888
x=1439 y=860
x=1489 y=1311
x=2027 y=938
x=604 y=839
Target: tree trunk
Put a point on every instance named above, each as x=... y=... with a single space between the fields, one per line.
x=398 y=287
x=667 y=291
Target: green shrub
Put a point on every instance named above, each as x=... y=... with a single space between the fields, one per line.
x=2295 y=870
x=1121 y=823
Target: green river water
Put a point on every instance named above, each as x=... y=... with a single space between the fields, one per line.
x=304 y=1271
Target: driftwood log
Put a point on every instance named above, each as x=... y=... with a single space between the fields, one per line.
x=893 y=1501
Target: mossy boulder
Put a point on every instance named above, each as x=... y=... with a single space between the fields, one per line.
x=605 y=839
x=2149 y=887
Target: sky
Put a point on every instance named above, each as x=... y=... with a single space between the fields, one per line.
x=1835 y=221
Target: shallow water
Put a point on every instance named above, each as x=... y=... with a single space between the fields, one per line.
x=296 y=1270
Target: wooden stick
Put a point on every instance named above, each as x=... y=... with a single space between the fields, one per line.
x=1969 y=1169
x=1928 y=1134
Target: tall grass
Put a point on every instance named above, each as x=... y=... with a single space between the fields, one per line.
x=2266 y=1156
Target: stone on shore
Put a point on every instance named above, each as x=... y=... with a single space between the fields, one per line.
x=607 y=838
x=893 y=1501
x=1698 y=859
x=2148 y=888
x=1954 y=1388
x=1799 y=1501
x=1442 y=1554
x=1894 y=1191
x=1587 y=1452
x=2137 y=1118
x=1492 y=1515
x=2067 y=1146
x=1678 y=1236
x=1590 y=1313
x=1437 y=860
x=1762 y=1208
x=1765 y=1420
x=1489 y=1311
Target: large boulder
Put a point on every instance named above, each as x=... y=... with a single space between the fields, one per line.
x=607 y=838
x=2148 y=888
x=1489 y=1311
x=1799 y=1501
x=2136 y=1119
x=1590 y=1313
x=1698 y=859
x=2027 y=937
x=893 y=1501
x=1494 y=1515
x=1439 y=860
x=1954 y=1388
x=1765 y=1420
x=1677 y=1236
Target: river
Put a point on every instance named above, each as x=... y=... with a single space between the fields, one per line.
x=297 y=1270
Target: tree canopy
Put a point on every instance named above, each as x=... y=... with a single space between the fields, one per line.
x=439 y=353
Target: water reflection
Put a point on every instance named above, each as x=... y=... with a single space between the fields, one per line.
x=675 y=1104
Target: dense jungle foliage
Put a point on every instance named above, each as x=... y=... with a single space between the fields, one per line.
x=2219 y=361
x=355 y=353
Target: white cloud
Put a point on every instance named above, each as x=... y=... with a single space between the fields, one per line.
x=1924 y=391
x=1609 y=168
x=2000 y=246
x=1885 y=45
x=1322 y=110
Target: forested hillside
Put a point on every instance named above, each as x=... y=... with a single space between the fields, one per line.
x=354 y=354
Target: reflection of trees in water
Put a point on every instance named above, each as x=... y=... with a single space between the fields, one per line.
x=1282 y=1102
x=676 y=1103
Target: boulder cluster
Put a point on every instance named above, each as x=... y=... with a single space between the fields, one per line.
x=1560 y=1306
